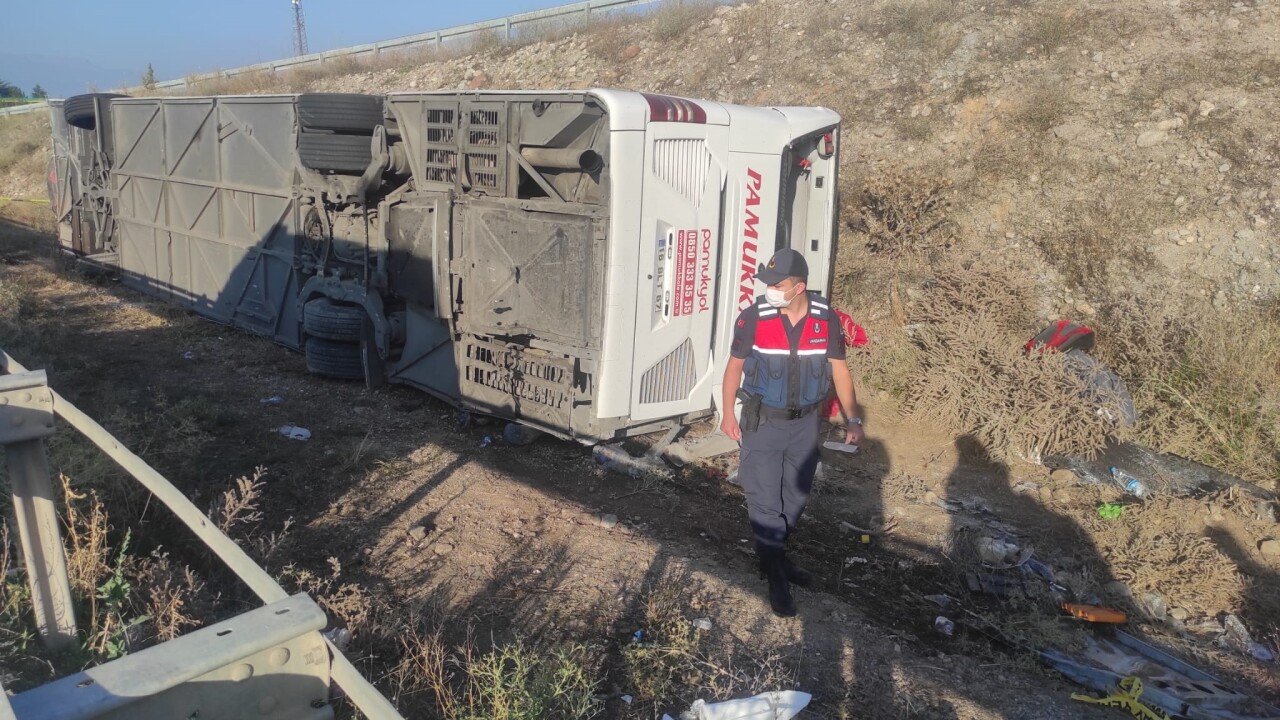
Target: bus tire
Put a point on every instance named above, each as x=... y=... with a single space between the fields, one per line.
x=323 y=318
x=335 y=153
x=338 y=360
x=79 y=110
x=339 y=112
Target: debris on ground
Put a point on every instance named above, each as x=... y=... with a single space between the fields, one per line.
x=781 y=705
x=273 y=400
x=1238 y=638
x=1095 y=613
x=294 y=432
x=340 y=637
x=1159 y=473
x=1002 y=554
x=944 y=625
x=1124 y=662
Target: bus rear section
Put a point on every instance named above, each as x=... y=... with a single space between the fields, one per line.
x=724 y=187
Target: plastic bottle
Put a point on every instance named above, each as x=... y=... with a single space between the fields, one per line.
x=1131 y=484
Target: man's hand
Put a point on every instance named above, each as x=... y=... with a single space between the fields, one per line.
x=729 y=426
x=853 y=434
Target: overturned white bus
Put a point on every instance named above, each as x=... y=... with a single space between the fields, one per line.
x=572 y=261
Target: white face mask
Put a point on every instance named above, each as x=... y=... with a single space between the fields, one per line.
x=777 y=298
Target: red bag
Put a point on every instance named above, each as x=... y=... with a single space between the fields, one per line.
x=1063 y=336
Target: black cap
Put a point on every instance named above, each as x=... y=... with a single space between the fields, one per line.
x=784 y=264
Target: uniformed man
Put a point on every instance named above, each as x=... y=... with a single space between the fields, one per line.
x=787 y=354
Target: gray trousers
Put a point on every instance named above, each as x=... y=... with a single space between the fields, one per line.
x=776 y=471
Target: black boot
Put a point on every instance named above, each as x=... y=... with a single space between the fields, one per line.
x=772 y=566
x=796 y=574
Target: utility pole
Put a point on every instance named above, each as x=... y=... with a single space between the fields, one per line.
x=299 y=29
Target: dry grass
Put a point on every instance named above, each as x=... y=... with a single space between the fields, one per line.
x=610 y=39
x=905 y=214
x=24 y=141
x=668 y=654
x=1206 y=384
x=238 y=505
x=1095 y=237
x=914 y=20
x=673 y=18
x=174 y=598
x=1153 y=549
x=974 y=376
x=514 y=681
x=1044 y=107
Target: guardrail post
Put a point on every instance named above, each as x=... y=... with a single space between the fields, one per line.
x=26 y=419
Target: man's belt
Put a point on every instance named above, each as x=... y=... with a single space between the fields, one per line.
x=787 y=413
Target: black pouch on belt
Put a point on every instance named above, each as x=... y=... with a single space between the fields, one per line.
x=750 y=421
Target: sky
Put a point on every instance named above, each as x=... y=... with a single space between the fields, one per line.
x=74 y=46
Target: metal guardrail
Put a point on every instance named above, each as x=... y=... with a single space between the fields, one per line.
x=27 y=408
x=24 y=109
x=506 y=28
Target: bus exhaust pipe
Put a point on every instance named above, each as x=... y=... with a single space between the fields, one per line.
x=563 y=158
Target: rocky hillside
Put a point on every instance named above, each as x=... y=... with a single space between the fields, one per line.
x=1113 y=162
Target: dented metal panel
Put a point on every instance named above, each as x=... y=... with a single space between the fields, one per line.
x=528 y=271
x=206 y=206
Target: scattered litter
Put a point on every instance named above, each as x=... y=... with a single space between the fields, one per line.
x=1126 y=697
x=340 y=637
x=188 y=355
x=294 y=432
x=944 y=626
x=520 y=435
x=855 y=560
x=782 y=705
x=1131 y=484
x=847 y=448
x=627 y=699
x=607 y=521
x=273 y=400
x=993 y=584
x=487 y=441
x=1172 y=685
x=1154 y=605
x=638 y=636
x=1161 y=473
x=703 y=624
x=1238 y=637
x=1002 y=554
x=941 y=601
x=1095 y=613
x=866 y=532
x=1027 y=488
x=1107 y=511
x=1039 y=569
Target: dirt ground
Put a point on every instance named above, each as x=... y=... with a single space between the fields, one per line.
x=393 y=496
